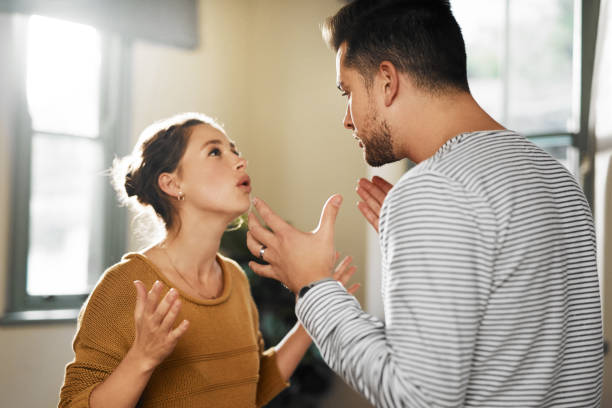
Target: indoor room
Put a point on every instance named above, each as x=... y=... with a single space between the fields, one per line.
x=80 y=81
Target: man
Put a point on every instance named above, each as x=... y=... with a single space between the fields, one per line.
x=489 y=277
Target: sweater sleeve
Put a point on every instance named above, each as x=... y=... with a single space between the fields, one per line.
x=437 y=242
x=271 y=382
x=104 y=335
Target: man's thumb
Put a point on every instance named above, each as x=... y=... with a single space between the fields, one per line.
x=329 y=213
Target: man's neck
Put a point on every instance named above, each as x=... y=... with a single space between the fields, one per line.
x=439 y=120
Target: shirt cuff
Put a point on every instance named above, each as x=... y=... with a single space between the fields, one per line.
x=322 y=306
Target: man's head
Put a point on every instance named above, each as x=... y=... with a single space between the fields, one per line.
x=419 y=37
x=382 y=45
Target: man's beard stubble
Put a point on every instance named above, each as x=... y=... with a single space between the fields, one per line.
x=379 y=148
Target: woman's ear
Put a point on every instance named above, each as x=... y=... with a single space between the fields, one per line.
x=168 y=184
x=390 y=81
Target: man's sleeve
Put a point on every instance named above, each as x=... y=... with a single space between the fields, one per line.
x=437 y=242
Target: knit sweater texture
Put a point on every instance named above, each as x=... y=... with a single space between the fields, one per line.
x=219 y=362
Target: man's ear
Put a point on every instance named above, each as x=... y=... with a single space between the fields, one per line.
x=390 y=81
x=168 y=184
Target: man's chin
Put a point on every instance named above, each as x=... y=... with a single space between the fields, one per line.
x=377 y=161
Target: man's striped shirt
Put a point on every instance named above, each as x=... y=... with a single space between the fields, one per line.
x=489 y=286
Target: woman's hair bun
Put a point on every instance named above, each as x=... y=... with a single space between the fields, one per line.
x=130 y=185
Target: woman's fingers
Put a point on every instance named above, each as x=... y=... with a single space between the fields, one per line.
x=179 y=330
x=153 y=297
x=141 y=295
x=354 y=287
x=169 y=317
x=165 y=305
x=344 y=271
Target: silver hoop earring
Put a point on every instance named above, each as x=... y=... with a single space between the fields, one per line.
x=181 y=196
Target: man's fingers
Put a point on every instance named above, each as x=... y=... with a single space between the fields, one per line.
x=373 y=190
x=141 y=294
x=153 y=297
x=254 y=246
x=270 y=217
x=262 y=270
x=383 y=184
x=369 y=215
x=329 y=214
x=368 y=198
x=261 y=234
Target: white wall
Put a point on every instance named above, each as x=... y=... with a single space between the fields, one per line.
x=262 y=70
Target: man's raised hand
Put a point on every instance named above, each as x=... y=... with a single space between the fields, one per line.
x=295 y=258
x=372 y=194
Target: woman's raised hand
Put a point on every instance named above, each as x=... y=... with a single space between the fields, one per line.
x=344 y=271
x=156 y=335
x=372 y=194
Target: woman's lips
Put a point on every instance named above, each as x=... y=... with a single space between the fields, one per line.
x=245 y=183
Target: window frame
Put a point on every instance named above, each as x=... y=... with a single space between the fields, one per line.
x=114 y=116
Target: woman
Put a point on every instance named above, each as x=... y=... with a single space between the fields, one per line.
x=198 y=343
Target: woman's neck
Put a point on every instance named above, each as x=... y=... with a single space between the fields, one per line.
x=192 y=247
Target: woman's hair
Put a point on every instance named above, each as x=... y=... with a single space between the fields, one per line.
x=159 y=149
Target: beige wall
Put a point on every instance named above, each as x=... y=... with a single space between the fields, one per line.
x=263 y=71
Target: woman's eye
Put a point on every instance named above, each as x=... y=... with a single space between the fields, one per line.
x=344 y=93
x=215 y=152
x=236 y=152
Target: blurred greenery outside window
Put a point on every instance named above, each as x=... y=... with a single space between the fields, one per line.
x=63 y=204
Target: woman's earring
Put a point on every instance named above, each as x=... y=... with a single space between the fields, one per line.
x=181 y=196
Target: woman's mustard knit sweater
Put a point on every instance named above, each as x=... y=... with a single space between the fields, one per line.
x=218 y=362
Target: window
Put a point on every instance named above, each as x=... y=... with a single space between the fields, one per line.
x=525 y=69
x=67 y=227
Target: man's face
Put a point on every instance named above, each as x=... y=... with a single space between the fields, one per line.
x=362 y=115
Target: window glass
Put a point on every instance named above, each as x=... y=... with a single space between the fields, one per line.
x=541 y=77
x=63 y=70
x=484 y=36
x=67 y=179
x=66 y=210
x=603 y=80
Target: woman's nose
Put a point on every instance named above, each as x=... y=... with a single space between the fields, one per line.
x=241 y=164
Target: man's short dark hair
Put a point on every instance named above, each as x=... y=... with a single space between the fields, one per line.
x=419 y=37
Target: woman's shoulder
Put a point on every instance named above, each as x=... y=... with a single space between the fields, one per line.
x=116 y=285
x=131 y=267
x=233 y=267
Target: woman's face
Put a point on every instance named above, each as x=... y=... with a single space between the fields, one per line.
x=212 y=175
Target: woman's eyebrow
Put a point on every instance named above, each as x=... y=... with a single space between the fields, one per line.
x=219 y=142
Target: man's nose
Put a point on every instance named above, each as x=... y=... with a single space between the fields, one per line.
x=348 y=120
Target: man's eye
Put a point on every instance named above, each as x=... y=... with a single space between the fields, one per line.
x=344 y=93
x=215 y=152
x=236 y=152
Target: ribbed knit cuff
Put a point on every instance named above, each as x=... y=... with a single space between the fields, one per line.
x=81 y=400
x=271 y=381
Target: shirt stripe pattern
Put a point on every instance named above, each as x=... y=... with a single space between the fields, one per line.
x=489 y=286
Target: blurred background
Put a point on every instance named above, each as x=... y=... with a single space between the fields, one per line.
x=79 y=80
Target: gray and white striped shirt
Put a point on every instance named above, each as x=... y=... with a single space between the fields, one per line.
x=489 y=284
